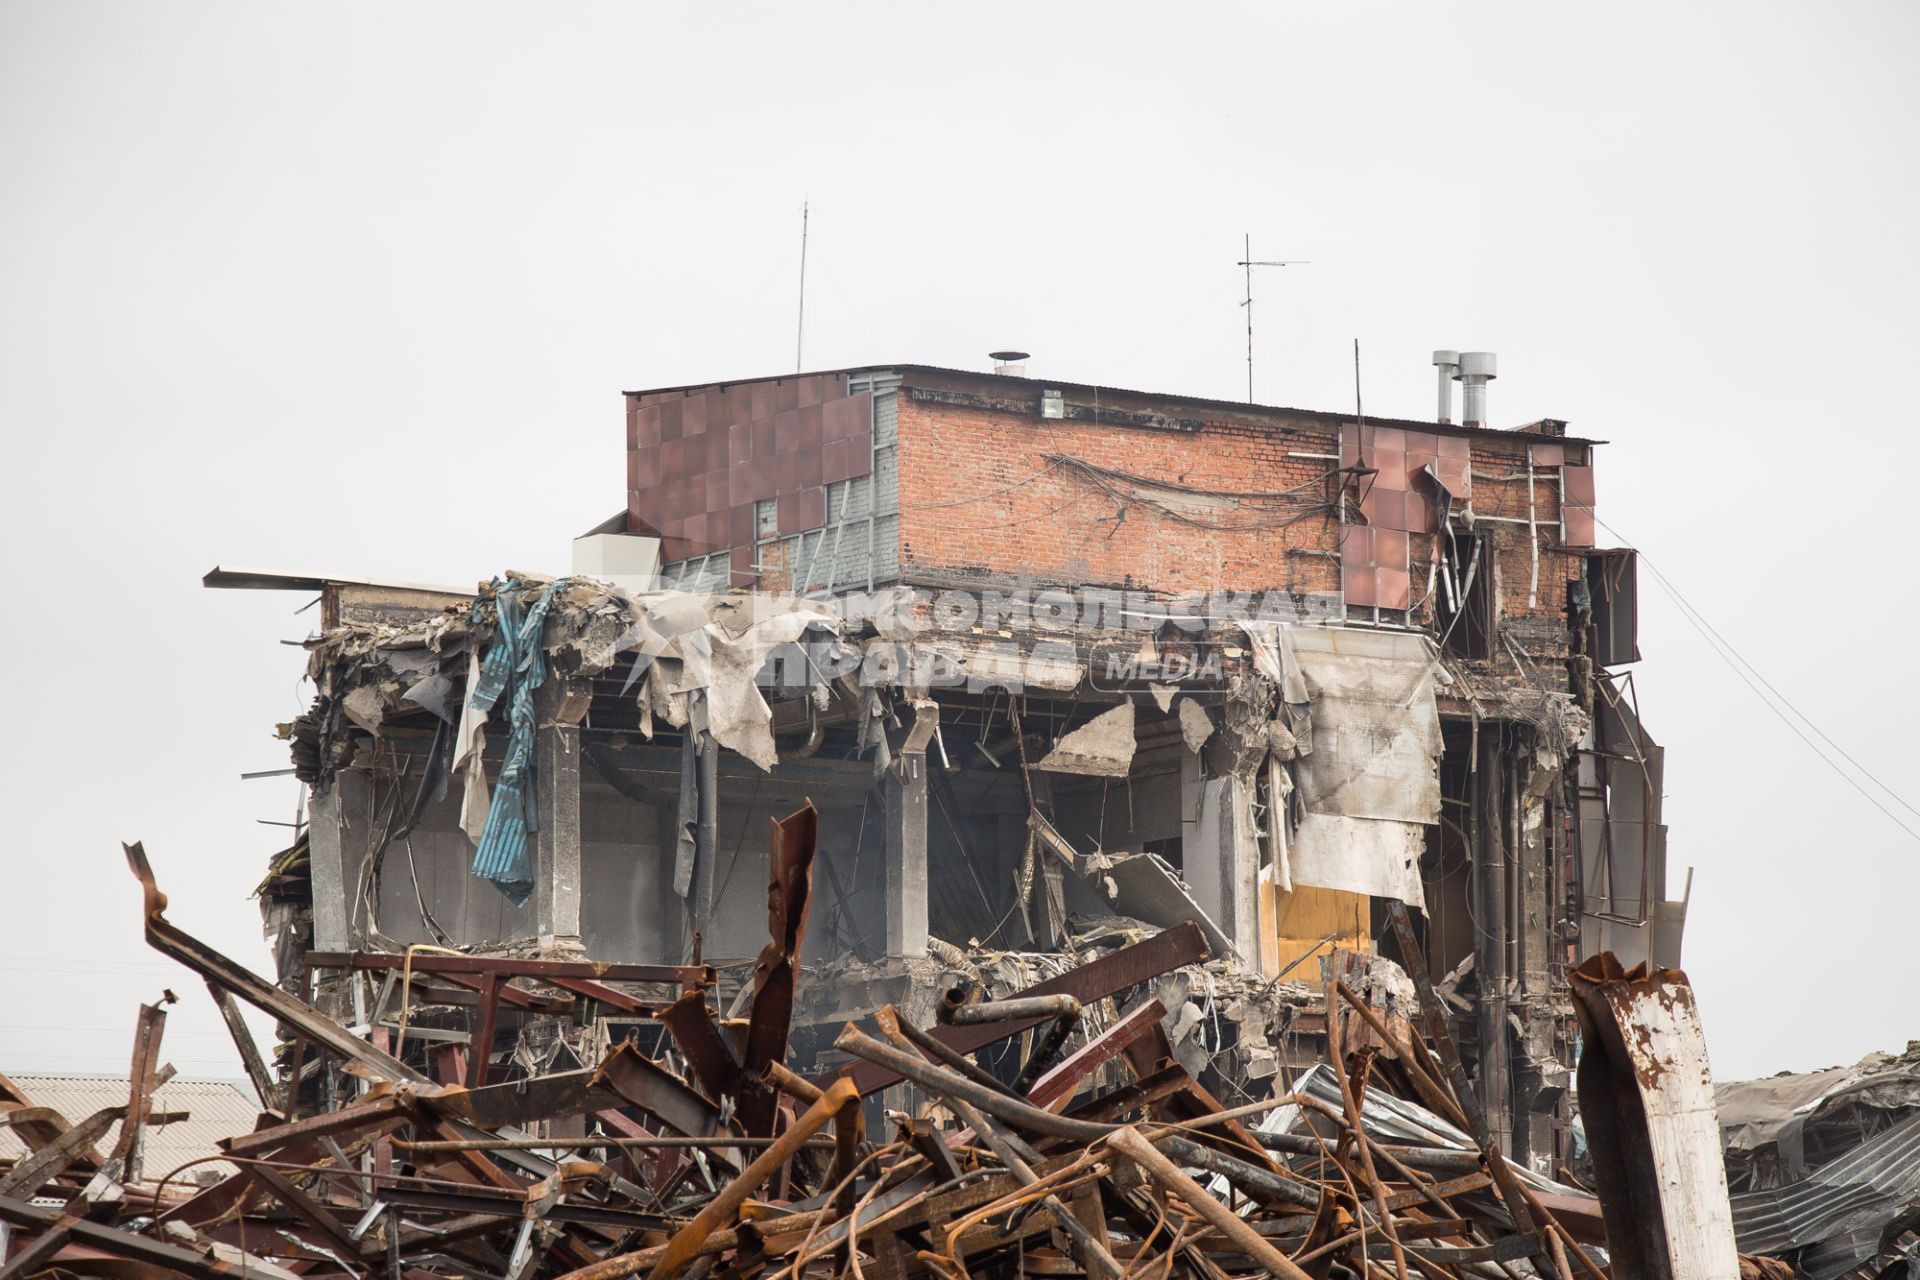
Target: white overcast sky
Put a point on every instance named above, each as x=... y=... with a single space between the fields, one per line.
x=356 y=288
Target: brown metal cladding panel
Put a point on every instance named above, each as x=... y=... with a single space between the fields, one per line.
x=1389 y=438
x=1392 y=588
x=643 y=468
x=670 y=412
x=836 y=462
x=1579 y=526
x=1391 y=461
x=1576 y=485
x=763 y=438
x=786 y=472
x=696 y=493
x=1370 y=501
x=1390 y=549
x=674 y=547
x=1356 y=546
x=740 y=524
x=1353 y=440
x=787 y=515
x=693 y=414
x=786 y=431
x=739 y=441
x=737 y=406
x=786 y=395
x=717 y=452
x=740 y=483
x=837 y=417
x=810 y=464
x=813 y=507
x=812 y=433
x=1389 y=509
x=719 y=494
x=637 y=521
x=1548 y=455
x=761 y=398
x=1454 y=475
x=696 y=531
x=1456 y=447
x=1420 y=513
x=862 y=442
x=646 y=427
x=766 y=475
x=740 y=565
x=1358 y=586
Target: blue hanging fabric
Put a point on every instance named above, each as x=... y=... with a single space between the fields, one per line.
x=515 y=666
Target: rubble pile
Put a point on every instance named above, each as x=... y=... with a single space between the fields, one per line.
x=708 y=1155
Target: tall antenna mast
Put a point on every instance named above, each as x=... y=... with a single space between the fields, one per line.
x=1248 y=264
x=800 y=326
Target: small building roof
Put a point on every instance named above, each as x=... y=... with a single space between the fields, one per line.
x=216 y=1109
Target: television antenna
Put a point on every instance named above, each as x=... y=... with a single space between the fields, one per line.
x=1248 y=263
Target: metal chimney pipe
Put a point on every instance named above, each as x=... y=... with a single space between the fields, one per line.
x=1477 y=369
x=1448 y=363
x=1009 y=364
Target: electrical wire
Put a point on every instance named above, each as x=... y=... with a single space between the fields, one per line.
x=1725 y=651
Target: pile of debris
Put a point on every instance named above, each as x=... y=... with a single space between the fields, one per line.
x=1102 y=1155
x=1825 y=1166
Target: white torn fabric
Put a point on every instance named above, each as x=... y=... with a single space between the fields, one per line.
x=1376 y=730
x=1102 y=747
x=1360 y=855
x=1279 y=788
x=469 y=756
x=737 y=715
x=1196 y=726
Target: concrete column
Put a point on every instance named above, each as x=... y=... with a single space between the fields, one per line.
x=1219 y=857
x=904 y=791
x=556 y=846
x=339 y=827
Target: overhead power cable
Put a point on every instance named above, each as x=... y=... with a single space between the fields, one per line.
x=1740 y=667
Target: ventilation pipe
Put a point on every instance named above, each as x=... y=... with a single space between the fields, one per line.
x=1009 y=364
x=1448 y=363
x=1475 y=372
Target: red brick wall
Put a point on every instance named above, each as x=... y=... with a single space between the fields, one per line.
x=978 y=499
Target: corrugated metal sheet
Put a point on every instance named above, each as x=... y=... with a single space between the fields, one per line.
x=217 y=1109
x=1830 y=1222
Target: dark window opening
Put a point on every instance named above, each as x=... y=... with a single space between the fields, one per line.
x=1464 y=595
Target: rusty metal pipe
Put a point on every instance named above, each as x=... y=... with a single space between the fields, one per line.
x=685 y=1246
x=896 y=1029
x=796 y=1087
x=952 y=1084
x=1130 y=1143
x=975 y=1014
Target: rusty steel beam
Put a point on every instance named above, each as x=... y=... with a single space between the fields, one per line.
x=1057 y=1087
x=35 y=1171
x=1096 y=980
x=1646 y=1093
x=119 y=1244
x=313 y=1025
x=682 y=975
x=793 y=841
x=643 y=1083
x=130 y=1147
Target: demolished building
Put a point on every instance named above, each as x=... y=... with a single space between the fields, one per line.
x=1060 y=667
